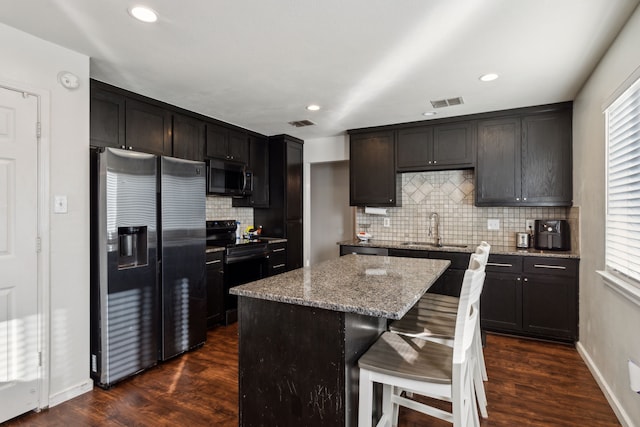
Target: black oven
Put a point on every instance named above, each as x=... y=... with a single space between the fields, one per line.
x=245 y=260
x=228 y=178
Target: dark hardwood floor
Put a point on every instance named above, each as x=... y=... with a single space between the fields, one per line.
x=531 y=383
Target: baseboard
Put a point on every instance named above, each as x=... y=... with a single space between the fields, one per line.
x=70 y=393
x=622 y=415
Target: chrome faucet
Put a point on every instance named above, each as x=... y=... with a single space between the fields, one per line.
x=434 y=226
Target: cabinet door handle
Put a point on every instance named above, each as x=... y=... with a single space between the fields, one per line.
x=278 y=250
x=552 y=267
x=435 y=161
x=525 y=279
x=497 y=264
x=215 y=261
x=525 y=199
x=517 y=199
x=278 y=266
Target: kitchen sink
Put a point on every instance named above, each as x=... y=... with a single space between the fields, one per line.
x=433 y=245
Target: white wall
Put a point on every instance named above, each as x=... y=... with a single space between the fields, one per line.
x=331 y=217
x=608 y=322
x=34 y=63
x=320 y=150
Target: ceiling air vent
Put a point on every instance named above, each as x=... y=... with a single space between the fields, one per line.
x=301 y=123
x=441 y=103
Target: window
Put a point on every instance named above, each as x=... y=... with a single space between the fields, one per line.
x=623 y=186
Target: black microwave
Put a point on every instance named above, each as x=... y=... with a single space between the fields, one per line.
x=228 y=178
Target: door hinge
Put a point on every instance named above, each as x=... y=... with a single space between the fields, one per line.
x=38 y=244
x=38 y=129
x=40 y=359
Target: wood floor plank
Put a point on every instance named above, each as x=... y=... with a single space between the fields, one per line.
x=531 y=383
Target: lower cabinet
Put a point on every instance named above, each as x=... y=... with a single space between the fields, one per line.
x=527 y=296
x=215 y=288
x=277 y=262
x=531 y=296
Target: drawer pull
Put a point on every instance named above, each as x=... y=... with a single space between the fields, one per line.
x=278 y=250
x=278 y=266
x=215 y=261
x=497 y=264
x=553 y=267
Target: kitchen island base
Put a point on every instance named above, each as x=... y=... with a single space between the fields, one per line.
x=298 y=364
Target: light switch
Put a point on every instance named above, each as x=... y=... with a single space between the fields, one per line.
x=60 y=204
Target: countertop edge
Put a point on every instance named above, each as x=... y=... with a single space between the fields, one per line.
x=495 y=249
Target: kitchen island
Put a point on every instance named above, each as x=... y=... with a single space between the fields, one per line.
x=301 y=334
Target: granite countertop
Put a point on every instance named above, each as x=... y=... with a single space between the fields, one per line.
x=495 y=249
x=373 y=286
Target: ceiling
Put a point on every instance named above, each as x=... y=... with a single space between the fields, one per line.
x=258 y=64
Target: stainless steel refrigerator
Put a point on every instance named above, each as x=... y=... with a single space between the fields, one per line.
x=182 y=194
x=147 y=261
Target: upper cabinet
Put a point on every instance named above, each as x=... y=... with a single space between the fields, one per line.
x=126 y=120
x=435 y=147
x=106 y=118
x=227 y=144
x=372 y=172
x=525 y=159
x=188 y=137
x=148 y=128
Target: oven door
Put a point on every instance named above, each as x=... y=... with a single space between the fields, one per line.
x=238 y=273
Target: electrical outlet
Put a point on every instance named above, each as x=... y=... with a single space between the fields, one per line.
x=529 y=224
x=493 y=224
x=386 y=222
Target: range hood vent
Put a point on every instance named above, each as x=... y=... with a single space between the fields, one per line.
x=301 y=123
x=450 y=102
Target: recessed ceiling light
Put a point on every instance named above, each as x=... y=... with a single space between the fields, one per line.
x=313 y=107
x=143 y=14
x=429 y=113
x=488 y=77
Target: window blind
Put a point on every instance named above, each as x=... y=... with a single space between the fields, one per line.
x=623 y=185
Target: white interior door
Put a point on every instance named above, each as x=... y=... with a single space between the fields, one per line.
x=19 y=359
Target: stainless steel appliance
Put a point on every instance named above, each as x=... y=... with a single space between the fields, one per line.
x=148 y=296
x=245 y=260
x=228 y=178
x=552 y=234
x=522 y=240
x=123 y=293
x=183 y=297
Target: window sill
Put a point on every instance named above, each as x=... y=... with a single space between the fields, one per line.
x=621 y=286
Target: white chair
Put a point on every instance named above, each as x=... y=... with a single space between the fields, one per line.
x=402 y=363
x=438 y=326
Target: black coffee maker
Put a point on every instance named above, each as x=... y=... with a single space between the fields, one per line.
x=552 y=234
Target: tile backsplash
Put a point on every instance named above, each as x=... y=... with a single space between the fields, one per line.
x=219 y=207
x=451 y=194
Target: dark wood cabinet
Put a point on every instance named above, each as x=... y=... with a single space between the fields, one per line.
x=531 y=296
x=259 y=166
x=547 y=159
x=525 y=159
x=148 y=128
x=283 y=217
x=107 y=118
x=277 y=258
x=435 y=147
x=228 y=144
x=188 y=137
x=372 y=174
x=450 y=282
x=215 y=288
